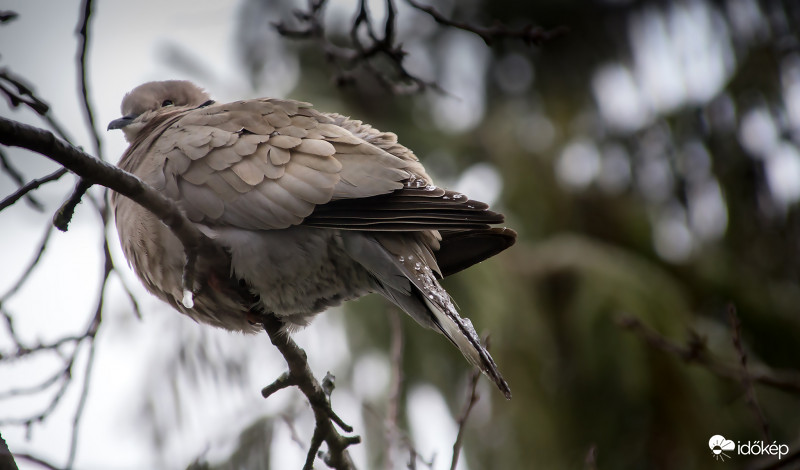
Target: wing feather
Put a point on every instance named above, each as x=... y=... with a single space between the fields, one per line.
x=267 y=164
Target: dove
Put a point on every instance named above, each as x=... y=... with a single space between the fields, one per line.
x=307 y=209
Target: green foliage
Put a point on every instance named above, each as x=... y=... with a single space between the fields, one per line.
x=636 y=240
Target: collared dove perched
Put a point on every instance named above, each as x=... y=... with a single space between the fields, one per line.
x=311 y=209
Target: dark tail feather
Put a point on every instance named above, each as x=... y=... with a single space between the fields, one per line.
x=461 y=249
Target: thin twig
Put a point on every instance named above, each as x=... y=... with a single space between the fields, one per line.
x=33 y=389
x=747 y=384
x=9 y=321
x=396 y=384
x=292 y=431
x=529 y=34
x=136 y=311
x=63 y=374
x=19 y=179
x=31 y=266
x=695 y=352
x=403 y=438
x=7 y=16
x=24 y=95
x=30 y=186
x=83 y=48
x=465 y=412
x=37 y=460
x=76 y=420
x=590 y=462
x=91 y=333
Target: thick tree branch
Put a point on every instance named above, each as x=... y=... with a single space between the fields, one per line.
x=96 y=171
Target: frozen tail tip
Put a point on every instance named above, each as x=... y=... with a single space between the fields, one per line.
x=500 y=382
x=503 y=386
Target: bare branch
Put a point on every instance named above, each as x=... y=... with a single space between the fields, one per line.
x=136 y=311
x=62 y=377
x=83 y=33
x=301 y=376
x=747 y=384
x=7 y=16
x=24 y=95
x=462 y=420
x=473 y=398
x=37 y=460
x=100 y=172
x=19 y=179
x=590 y=462
x=35 y=262
x=31 y=186
x=364 y=54
x=91 y=333
x=396 y=384
x=696 y=352
x=529 y=34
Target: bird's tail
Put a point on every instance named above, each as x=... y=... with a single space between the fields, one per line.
x=405 y=272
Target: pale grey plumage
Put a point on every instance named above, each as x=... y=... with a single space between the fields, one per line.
x=311 y=209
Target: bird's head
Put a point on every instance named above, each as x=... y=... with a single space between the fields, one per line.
x=153 y=99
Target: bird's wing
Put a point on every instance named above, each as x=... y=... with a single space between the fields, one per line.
x=265 y=164
x=269 y=164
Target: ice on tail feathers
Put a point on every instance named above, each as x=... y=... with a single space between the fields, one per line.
x=405 y=272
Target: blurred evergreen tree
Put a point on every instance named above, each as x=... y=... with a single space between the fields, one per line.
x=649 y=159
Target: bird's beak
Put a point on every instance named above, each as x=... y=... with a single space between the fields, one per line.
x=121 y=122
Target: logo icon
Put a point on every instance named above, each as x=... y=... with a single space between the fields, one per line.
x=719 y=445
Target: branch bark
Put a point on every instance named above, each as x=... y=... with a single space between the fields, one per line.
x=95 y=171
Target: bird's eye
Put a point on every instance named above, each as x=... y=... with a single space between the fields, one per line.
x=166 y=103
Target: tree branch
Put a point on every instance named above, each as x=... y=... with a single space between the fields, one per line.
x=747 y=383
x=83 y=32
x=19 y=180
x=696 y=352
x=300 y=375
x=100 y=172
x=364 y=54
x=31 y=186
x=529 y=34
